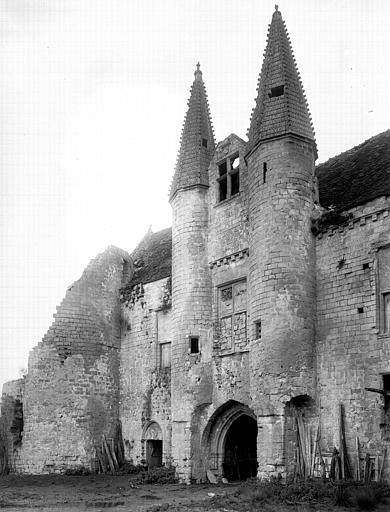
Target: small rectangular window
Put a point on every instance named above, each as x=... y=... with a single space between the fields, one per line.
x=228 y=178
x=165 y=355
x=204 y=143
x=235 y=184
x=194 y=344
x=223 y=189
x=222 y=168
x=258 y=329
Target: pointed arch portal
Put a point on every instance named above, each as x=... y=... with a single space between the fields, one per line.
x=230 y=441
x=154 y=445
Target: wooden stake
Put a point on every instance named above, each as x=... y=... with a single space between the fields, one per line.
x=109 y=457
x=113 y=454
x=382 y=464
x=357 y=460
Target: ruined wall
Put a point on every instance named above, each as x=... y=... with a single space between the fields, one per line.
x=352 y=349
x=71 y=390
x=11 y=424
x=145 y=373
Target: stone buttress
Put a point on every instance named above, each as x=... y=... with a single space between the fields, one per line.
x=191 y=282
x=280 y=156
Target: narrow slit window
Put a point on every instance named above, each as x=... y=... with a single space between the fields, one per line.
x=194 y=344
x=386 y=312
x=265 y=170
x=386 y=392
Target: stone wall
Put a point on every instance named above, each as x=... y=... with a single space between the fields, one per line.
x=353 y=352
x=145 y=390
x=282 y=286
x=71 y=390
x=11 y=423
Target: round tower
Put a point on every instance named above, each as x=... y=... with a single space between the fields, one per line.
x=191 y=283
x=280 y=157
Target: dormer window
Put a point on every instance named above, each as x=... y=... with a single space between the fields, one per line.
x=276 y=91
x=228 y=179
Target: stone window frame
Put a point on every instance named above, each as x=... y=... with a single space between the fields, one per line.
x=380 y=295
x=161 y=344
x=220 y=316
x=228 y=176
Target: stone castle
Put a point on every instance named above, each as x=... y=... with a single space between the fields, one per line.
x=268 y=298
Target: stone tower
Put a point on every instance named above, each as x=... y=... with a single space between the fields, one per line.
x=280 y=155
x=191 y=283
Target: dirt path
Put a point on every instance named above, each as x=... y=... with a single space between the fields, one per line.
x=95 y=493
x=99 y=493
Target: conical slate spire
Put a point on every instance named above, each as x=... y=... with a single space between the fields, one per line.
x=197 y=140
x=281 y=106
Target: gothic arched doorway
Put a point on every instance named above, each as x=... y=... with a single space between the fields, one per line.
x=154 y=445
x=240 y=451
x=229 y=442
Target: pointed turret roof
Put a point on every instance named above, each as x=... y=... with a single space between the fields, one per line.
x=281 y=106
x=197 y=140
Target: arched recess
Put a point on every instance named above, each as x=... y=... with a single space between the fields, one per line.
x=152 y=436
x=231 y=431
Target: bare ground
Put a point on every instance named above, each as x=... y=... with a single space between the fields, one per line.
x=95 y=493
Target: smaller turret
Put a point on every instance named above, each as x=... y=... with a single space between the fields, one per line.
x=191 y=282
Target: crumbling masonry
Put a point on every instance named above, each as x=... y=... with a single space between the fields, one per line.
x=268 y=298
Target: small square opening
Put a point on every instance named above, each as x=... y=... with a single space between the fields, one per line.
x=194 y=344
x=366 y=266
x=360 y=310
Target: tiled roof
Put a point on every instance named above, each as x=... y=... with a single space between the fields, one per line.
x=281 y=107
x=197 y=141
x=356 y=176
x=152 y=258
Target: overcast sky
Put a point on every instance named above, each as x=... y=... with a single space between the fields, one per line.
x=93 y=96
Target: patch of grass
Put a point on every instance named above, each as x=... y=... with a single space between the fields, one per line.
x=162 y=475
x=78 y=471
x=367 y=498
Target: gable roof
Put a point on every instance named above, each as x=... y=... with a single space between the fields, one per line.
x=356 y=176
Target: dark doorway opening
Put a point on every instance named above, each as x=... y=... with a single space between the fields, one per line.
x=154 y=453
x=240 y=454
